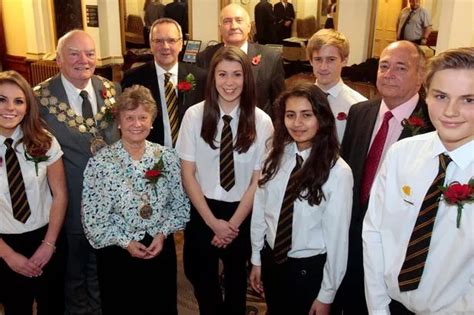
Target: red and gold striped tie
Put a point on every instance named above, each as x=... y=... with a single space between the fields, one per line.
x=417 y=251
x=227 y=171
x=285 y=221
x=172 y=107
x=21 y=209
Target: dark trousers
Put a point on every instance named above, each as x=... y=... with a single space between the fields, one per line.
x=18 y=292
x=291 y=287
x=201 y=263
x=131 y=285
x=350 y=298
x=81 y=285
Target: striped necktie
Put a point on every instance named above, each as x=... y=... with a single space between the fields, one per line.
x=227 y=171
x=21 y=209
x=172 y=107
x=417 y=251
x=285 y=221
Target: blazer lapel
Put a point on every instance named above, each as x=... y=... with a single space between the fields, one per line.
x=182 y=73
x=371 y=118
x=252 y=52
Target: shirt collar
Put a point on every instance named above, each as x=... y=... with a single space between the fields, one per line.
x=161 y=72
x=292 y=149
x=335 y=90
x=461 y=156
x=402 y=111
x=72 y=90
x=234 y=113
x=16 y=135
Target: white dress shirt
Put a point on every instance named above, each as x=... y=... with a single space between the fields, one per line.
x=192 y=147
x=341 y=97
x=160 y=73
x=74 y=97
x=37 y=188
x=447 y=283
x=316 y=229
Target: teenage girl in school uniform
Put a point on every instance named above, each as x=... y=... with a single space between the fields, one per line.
x=302 y=208
x=221 y=144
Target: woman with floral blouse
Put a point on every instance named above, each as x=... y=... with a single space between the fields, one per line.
x=133 y=202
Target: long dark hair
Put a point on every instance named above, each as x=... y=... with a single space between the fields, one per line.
x=35 y=137
x=246 y=133
x=325 y=146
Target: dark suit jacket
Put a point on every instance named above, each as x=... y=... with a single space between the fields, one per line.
x=146 y=75
x=178 y=11
x=269 y=74
x=283 y=14
x=75 y=145
x=265 y=23
x=356 y=142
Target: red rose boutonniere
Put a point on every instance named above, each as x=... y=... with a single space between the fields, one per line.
x=458 y=194
x=188 y=84
x=36 y=155
x=414 y=123
x=341 y=116
x=256 y=60
x=156 y=172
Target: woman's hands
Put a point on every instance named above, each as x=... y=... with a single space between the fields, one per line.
x=138 y=250
x=43 y=254
x=255 y=280
x=225 y=232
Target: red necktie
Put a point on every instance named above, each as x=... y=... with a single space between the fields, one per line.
x=373 y=159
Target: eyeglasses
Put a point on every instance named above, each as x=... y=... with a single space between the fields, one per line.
x=169 y=41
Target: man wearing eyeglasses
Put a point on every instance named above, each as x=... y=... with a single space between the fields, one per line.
x=267 y=65
x=165 y=78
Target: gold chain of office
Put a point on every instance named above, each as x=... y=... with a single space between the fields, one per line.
x=64 y=113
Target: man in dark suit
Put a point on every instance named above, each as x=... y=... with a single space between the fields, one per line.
x=166 y=43
x=267 y=65
x=265 y=23
x=284 y=17
x=399 y=78
x=76 y=107
x=178 y=11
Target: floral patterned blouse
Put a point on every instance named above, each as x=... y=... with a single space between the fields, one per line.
x=115 y=189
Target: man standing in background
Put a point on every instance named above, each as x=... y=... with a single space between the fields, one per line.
x=284 y=17
x=414 y=24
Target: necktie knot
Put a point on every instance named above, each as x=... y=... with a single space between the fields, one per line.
x=226 y=119
x=84 y=94
x=167 y=77
x=9 y=143
x=387 y=116
x=299 y=161
x=444 y=161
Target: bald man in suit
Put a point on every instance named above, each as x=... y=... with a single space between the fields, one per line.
x=399 y=78
x=267 y=64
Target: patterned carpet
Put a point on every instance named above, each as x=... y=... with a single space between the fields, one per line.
x=187 y=304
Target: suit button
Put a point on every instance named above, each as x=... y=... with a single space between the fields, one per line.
x=303 y=272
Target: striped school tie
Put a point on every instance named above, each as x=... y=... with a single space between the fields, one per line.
x=227 y=171
x=172 y=107
x=21 y=209
x=417 y=251
x=285 y=221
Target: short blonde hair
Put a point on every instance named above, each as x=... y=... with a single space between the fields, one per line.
x=328 y=37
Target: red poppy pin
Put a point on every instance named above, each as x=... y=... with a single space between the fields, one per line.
x=341 y=116
x=256 y=60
